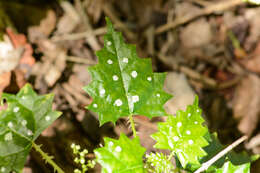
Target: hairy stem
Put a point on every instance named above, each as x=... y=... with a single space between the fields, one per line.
x=207 y=164
x=132 y=125
x=47 y=158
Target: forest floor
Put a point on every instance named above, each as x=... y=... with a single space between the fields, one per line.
x=208 y=47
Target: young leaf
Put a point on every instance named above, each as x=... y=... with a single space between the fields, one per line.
x=21 y=123
x=123 y=155
x=183 y=134
x=123 y=84
x=228 y=167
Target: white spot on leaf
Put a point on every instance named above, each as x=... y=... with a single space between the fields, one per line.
x=95 y=105
x=102 y=91
x=16 y=109
x=198 y=110
x=135 y=98
x=109 y=61
x=118 y=102
x=158 y=95
x=10 y=124
x=3 y=169
x=118 y=149
x=29 y=133
x=125 y=60
x=8 y=136
x=190 y=142
x=110 y=143
x=179 y=124
x=189 y=114
x=134 y=74
x=188 y=132
x=196 y=122
x=47 y=118
x=109 y=43
x=24 y=122
x=115 y=78
x=149 y=78
x=170 y=143
x=23 y=97
x=175 y=138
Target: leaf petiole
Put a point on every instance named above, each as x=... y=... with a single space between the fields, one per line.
x=132 y=125
x=48 y=159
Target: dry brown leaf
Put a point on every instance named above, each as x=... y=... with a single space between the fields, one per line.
x=4 y=81
x=9 y=56
x=253 y=64
x=47 y=25
x=19 y=40
x=246 y=103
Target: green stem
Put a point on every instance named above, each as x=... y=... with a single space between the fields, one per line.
x=171 y=155
x=47 y=158
x=132 y=125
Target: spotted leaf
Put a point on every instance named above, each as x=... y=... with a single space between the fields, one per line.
x=183 y=134
x=123 y=155
x=228 y=167
x=228 y=161
x=26 y=116
x=122 y=83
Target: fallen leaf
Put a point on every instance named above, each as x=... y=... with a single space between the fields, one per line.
x=196 y=34
x=9 y=56
x=246 y=104
x=177 y=85
x=253 y=63
x=4 y=81
x=19 y=40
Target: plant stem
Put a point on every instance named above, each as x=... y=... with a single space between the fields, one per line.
x=171 y=155
x=207 y=164
x=132 y=125
x=47 y=158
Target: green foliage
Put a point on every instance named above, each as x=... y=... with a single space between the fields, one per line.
x=21 y=123
x=80 y=159
x=183 y=134
x=228 y=167
x=123 y=84
x=159 y=163
x=123 y=155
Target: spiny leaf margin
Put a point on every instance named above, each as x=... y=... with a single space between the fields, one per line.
x=183 y=134
x=122 y=155
x=122 y=83
x=26 y=116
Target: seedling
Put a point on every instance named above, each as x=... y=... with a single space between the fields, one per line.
x=123 y=85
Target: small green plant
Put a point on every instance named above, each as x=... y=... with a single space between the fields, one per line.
x=80 y=159
x=123 y=85
x=21 y=123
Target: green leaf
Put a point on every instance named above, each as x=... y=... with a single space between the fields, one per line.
x=183 y=134
x=213 y=149
x=121 y=156
x=21 y=123
x=228 y=167
x=123 y=84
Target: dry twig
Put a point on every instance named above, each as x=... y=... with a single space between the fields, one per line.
x=214 y=8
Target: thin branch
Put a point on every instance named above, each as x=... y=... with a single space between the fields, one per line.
x=214 y=8
x=207 y=164
x=132 y=125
